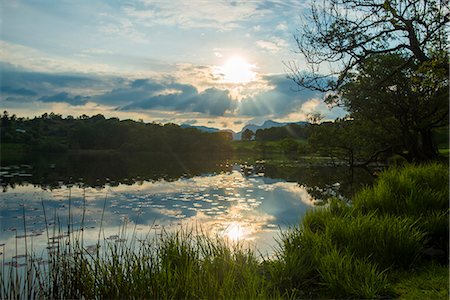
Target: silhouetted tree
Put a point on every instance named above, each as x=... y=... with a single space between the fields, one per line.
x=247 y=135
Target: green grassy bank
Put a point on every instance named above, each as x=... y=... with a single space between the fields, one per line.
x=391 y=241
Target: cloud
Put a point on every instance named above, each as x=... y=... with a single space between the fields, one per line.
x=124 y=28
x=96 y=51
x=35 y=60
x=310 y=106
x=212 y=101
x=222 y=15
x=273 y=46
x=282 y=26
x=32 y=85
x=65 y=97
x=279 y=101
x=269 y=46
x=17 y=91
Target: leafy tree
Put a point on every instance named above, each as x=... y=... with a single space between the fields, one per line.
x=408 y=103
x=295 y=131
x=247 y=135
x=345 y=139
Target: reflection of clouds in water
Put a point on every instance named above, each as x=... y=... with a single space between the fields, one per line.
x=297 y=191
x=200 y=183
x=230 y=205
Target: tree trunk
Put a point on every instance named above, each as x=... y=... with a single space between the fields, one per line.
x=429 y=148
x=421 y=146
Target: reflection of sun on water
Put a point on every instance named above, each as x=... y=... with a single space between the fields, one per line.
x=235 y=231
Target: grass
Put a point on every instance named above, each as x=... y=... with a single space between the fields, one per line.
x=176 y=265
x=427 y=282
x=374 y=248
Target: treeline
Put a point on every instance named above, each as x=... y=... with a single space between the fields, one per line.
x=295 y=131
x=53 y=133
x=357 y=142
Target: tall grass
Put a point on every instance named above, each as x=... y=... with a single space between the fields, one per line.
x=180 y=265
x=411 y=190
x=386 y=240
x=418 y=192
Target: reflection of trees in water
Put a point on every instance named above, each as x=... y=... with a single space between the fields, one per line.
x=323 y=182
x=110 y=168
x=97 y=170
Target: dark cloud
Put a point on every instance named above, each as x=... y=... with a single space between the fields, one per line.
x=14 y=77
x=283 y=99
x=28 y=86
x=65 y=97
x=17 y=91
x=212 y=101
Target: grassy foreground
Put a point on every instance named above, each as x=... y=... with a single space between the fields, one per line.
x=392 y=241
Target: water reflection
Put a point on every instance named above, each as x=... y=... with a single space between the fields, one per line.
x=247 y=203
x=229 y=204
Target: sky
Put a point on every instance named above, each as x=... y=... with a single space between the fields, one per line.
x=209 y=63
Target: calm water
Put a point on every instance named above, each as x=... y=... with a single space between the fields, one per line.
x=241 y=202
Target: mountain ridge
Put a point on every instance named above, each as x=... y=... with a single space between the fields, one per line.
x=252 y=127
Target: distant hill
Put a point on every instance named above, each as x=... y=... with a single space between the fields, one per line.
x=265 y=125
x=201 y=128
x=252 y=127
x=209 y=129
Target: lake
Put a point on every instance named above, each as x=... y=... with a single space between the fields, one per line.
x=238 y=198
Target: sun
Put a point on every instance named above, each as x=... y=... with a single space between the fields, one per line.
x=237 y=70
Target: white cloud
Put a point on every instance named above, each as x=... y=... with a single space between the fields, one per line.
x=36 y=60
x=96 y=51
x=310 y=106
x=282 y=26
x=274 y=45
x=192 y=14
x=124 y=28
x=269 y=46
